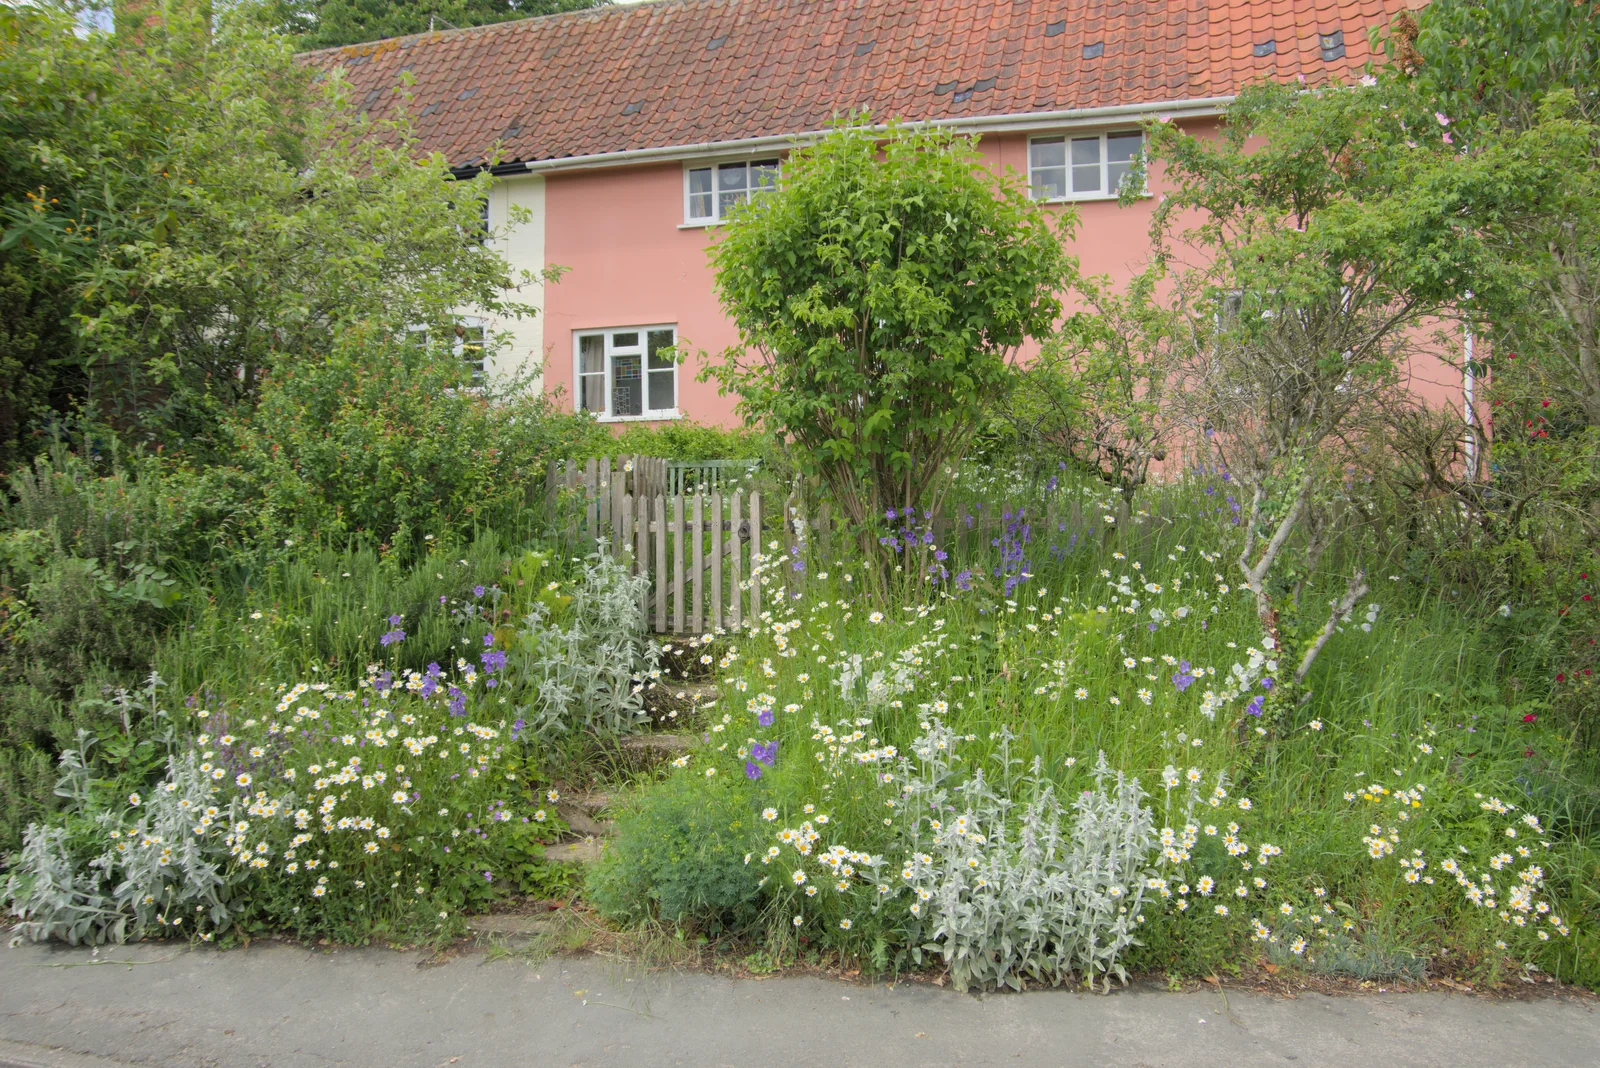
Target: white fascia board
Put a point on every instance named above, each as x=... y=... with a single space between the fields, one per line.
x=1027 y=122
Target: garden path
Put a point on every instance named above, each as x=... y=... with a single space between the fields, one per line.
x=289 y=1007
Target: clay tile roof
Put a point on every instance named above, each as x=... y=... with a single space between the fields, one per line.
x=691 y=72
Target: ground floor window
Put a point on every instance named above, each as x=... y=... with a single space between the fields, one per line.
x=627 y=372
x=468 y=342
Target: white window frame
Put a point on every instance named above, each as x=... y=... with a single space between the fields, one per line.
x=1066 y=137
x=458 y=344
x=609 y=351
x=690 y=221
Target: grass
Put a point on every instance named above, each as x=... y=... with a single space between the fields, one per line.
x=1432 y=691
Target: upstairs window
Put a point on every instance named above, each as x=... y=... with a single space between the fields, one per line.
x=1082 y=168
x=711 y=193
x=627 y=373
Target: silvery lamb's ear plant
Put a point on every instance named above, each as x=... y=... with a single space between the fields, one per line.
x=587 y=669
x=1035 y=895
x=168 y=872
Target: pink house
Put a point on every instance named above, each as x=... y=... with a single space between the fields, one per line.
x=624 y=132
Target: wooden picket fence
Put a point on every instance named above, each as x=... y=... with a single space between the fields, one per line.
x=702 y=551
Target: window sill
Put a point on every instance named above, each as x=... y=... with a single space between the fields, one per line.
x=648 y=417
x=1087 y=197
x=707 y=224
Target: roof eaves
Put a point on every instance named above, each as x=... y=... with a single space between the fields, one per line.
x=1023 y=122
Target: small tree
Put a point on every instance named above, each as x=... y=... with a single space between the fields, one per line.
x=1331 y=237
x=879 y=294
x=1096 y=396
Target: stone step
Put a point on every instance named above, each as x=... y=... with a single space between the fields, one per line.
x=514 y=924
x=581 y=822
x=647 y=750
x=584 y=851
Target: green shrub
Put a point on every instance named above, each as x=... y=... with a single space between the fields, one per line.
x=681 y=855
x=385 y=440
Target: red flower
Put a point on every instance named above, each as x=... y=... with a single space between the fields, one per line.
x=1527 y=752
x=1529 y=718
x=1585 y=597
x=1561 y=678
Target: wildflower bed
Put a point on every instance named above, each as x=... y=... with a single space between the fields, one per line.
x=1064 y=763
x=1059 y=760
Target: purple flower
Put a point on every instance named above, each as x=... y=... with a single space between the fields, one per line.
x=477 y=591
x=1267 y=684
x=392 y=637
x=752 y=770
x=441 y=598
x=493 y=660
x=429 y=687
x=394 y=621
x=1254 y=707
x=765 y=753
x=458 y=702
x=488 y=877
x=1184 y=678
x=1152 y=627
x=964 y=579
x=764 y=717
x=517 y=728
x=488 y=640
x=889 y=514
x=434 y=670
x=799 y=565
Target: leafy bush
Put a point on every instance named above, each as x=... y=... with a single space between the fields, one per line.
x=1003 y=898
x=879 y=293
x=386 y=441
x=681 y=855
x=588 y=660
x=85 y=597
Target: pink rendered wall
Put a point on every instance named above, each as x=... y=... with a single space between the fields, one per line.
x=630 y=262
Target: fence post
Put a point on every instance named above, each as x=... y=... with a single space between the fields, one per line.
x=699 y=561
x=716 y=560
x=738 y=550
x=755 y=558
x=660 y=530
x=641 y=553
x=591 y=503
x=677 y=564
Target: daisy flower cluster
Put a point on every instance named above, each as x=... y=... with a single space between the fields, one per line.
x=1501 y=873
x=1206 y=866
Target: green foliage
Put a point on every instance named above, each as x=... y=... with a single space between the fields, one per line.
x=878 y=294
x=681 y=855
x=1514 y=81
x=1094 y=396
x=1332 y=233
x=202 y=212
x=1498 y=58
x=328 y=23
x=383 y=440
x=33 y=333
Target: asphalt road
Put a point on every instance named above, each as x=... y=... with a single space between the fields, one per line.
x=285 y=1007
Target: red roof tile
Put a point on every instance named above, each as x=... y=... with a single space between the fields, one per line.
x=686 y=72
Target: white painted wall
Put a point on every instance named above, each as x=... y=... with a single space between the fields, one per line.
x=523 y=247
